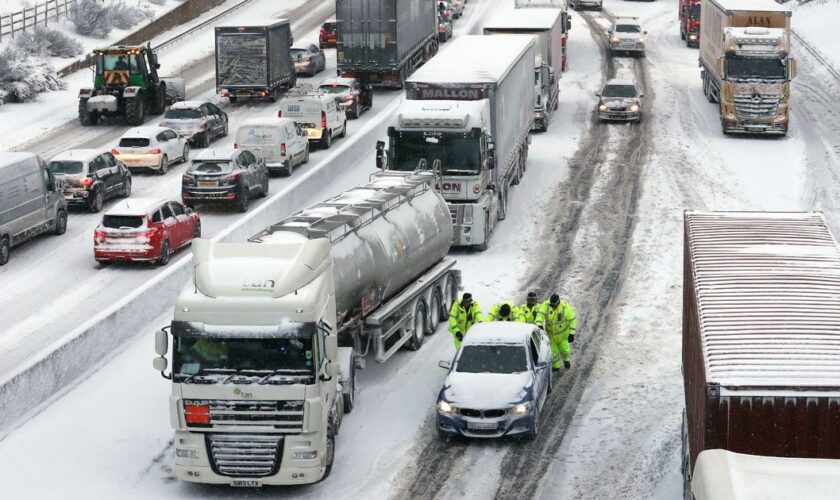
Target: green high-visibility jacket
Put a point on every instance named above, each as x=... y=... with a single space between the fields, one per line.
x=557 y=321
x=528 y=314
x=460 y=319
x=496 y=315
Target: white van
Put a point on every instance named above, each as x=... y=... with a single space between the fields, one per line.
x=282 y=143
x=31 y=202
x=318 y=113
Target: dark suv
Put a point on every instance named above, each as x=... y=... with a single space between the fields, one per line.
x=231 y=176
x=91 y=177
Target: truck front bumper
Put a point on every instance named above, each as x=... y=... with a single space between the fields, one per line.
x=468 y=223
x=738 y=126
x=692 y=39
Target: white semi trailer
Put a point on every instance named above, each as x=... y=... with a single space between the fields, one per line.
x=467 y=117
x=267 y=337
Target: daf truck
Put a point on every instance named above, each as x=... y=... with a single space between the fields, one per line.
x=760 y=336
x=381 y=42
x=467 y=118
x=253 y=60
x=746 y=64
x=266 y=338
x=547 y=27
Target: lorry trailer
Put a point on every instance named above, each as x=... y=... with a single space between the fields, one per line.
x=267 y=337
x=761 y=336
x=467 y=117
x=381 y=42
x=253 y=60
x=746 y=64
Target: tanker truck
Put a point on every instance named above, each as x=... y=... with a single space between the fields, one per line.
x=547 y=27
x=467 y=118
x=746 y=64
x=268 y=335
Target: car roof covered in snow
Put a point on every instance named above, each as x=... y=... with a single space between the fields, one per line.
x=626 y=20
x=135 y=206
x=767 y=288
x=254 y=22
x=77 y=155
x=265 y=122
x=498 y=332
x=144 y=132
x=218 y=154
x=620 y=81
x=187 y=104
x=490 y=59
x=525 y=19
x=739 y=5
x=336 y=80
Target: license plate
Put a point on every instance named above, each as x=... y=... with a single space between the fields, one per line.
x=207 y=184
x=482 y=426
x=245 y=483
x=316 y=133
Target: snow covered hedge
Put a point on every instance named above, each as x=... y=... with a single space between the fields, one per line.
x=47 y=43
x=23 y=76
x=96 y=18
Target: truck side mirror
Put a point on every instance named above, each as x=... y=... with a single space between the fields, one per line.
x=331 y=347
x=569 y=23
x=551 y=78
x=161 y=342
x=160 y=364
x=491 y=187
x=157 y=65
x=792 y=68
x=333 y=370
x=719 y=65
x=491 y=155
x=380 y=155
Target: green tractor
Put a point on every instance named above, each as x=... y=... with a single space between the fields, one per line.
x=126 y=83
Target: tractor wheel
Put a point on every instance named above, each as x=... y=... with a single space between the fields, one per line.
x=135 y=111
x=159 y=105
x=86 y=117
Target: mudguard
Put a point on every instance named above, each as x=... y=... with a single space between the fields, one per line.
x=132 y=91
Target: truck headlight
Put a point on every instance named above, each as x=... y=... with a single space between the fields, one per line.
x=730 y=116
x=468 y=215
x=615 y=39
x=184 y=453
x=692 y=36
x=305 y=455
x=445 y=408
x=602 y=107
x=520 y=409
x=634 y=108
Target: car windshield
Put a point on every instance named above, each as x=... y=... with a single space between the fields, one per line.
x=134 y=142
x=334 y=89
x=211 y=167
x=202 y=356
x=695 y=11
x=492 y=359
x=619 y=91
x=66 y=167
x=628 y=28
x=458 y=155
x=755 y=68
x=182 y=114
x=123 y=221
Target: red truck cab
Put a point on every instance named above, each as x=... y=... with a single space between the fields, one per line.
x=689 y=13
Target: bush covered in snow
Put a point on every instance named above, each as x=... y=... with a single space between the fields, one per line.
x=23 y=76
x=157 y=2
x=124 y=16
x=47 y=43
x=91 y=18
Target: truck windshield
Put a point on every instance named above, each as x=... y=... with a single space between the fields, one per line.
x=458 y=155
x=492 y=359
x=755 y=68
x=695 y=11
x=203 y=359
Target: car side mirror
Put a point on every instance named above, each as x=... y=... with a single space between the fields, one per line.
x=597 y=94
x=541 y=366
x=161 y=342
x=446 y=365
x=331 y=347
x=157 y=65
x=491 y=187
x=644 y=32
x=609 y=32
x=641 y=95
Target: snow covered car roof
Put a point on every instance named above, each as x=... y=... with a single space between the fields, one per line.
x=215 y=154
x=85 y=155
x=498 y=332
x=266 y=122
x=187 y=104
x=620 y=81
x=338 y=80
x=145 y=132
x=474 y=59
x=737 y=5
x=626 y=20
x=135 y=206
x=531 y=18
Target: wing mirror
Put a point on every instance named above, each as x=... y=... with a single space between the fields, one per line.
x=380 y=155
x=491 y=155
x=161 y=343
x=491 y=187
x=331 y=347
x=446 y=365
x=333 y=370
x=641 y=96
x=541 y=366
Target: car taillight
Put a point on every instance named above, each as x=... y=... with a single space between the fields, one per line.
x=98 y=236
x=187 y=179
x=154 y=151
x=87 y=182
x=231 y=179
x=235 y=146
x=224 y=93
x=283 y=149
x=115 y=151
x=323 y=119
x=197 y=414
x=280 y=114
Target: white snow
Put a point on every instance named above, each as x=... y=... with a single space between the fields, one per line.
x=491 y=59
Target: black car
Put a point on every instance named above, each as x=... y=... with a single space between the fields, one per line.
x=90 y=177
x=199 y=122
x=227 y=177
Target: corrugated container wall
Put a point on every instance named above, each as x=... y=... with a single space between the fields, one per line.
x=761 y=334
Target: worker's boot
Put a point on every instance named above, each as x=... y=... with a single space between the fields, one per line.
x=567 y=364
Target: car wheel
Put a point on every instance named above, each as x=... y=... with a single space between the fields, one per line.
x=60 y=223
x=205 y=140
x=225 y=131
x=288 y=171
x=126 y=187
x=357 y=110
x=185 y=156
x=197 y=229
x=306 y=155
x=326 y=140
x=343 y=130
x=534 y=428
x=96 y=201
x=164 y=165
x=350 y=396
x=242 y=204
x=5 y=250
x=416 y=341
x=164 y=254
x=264 y=187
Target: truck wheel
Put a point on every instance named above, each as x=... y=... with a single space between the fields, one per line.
x=483 y=246
x=96 y=201
x=135 y=110
x=350 y=396
x=416 y=340
x=60 y=223
x=5 y=250
x=330 y=455
x=86 y=117
x=436 y=311
x=450 y=291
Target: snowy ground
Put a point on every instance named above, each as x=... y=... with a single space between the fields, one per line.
x=598 y=217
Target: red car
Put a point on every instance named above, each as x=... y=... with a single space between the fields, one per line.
x=145 y=230
x=328 y=35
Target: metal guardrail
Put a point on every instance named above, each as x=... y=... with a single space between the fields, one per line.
x=29 y=17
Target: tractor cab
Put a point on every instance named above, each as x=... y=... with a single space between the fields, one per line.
x=123 y=66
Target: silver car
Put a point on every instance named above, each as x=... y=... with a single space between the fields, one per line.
x=627 y=37
x=199 y=122
x=620 y=100
x=309 y=60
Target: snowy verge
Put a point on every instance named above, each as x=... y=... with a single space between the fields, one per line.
x=816 y=22
x=72 y=356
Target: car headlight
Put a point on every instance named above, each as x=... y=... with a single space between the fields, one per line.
x=634 y=108
x=445 y=408
x=641 y=40
x=602 y=107
x=615 y=39
x=305 y=455
x=520 y=409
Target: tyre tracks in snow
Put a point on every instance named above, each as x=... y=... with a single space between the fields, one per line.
x=592 y=216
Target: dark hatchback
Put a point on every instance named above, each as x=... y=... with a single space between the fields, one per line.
x=225 y=177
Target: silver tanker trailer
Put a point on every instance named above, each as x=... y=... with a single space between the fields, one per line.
x=267 y=338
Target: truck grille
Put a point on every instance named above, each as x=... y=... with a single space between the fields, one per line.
x=755 y=105
x=285 y=416
x=453 y=211
x=245 y=456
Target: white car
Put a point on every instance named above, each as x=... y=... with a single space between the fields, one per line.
x=626 y=36
x=152 y=148
x=318 y=113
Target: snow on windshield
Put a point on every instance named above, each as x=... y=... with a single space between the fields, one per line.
x=628 y=28
x=493 y=359
x=619 y=91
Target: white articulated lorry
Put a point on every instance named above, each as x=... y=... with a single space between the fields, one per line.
x=547 y=27
x=467 y=117
x=266 y=339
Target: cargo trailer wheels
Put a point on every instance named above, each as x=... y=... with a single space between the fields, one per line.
x=419 y=333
